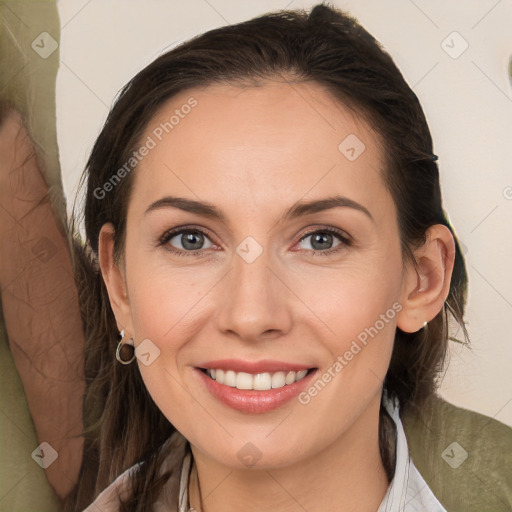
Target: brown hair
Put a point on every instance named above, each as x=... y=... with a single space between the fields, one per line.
x=326 y=47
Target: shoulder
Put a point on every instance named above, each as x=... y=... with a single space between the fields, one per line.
x=465 y=457
x=172 y=454
x=109 y=499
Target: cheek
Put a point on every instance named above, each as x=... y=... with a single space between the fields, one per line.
x=167 y=306
x=359 y=312
x=357 y=309
x=164 y=300
x=347 y=301
x=164 y=314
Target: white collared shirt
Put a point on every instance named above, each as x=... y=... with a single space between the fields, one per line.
x=407 y=492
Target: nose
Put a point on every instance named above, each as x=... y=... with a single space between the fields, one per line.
x=255 y=302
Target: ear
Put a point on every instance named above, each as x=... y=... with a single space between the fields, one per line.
x=427 y=285
x=114 y=277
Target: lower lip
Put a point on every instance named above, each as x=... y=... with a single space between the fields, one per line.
x=251 y=401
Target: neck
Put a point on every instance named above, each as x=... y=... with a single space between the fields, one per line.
x=346 y=476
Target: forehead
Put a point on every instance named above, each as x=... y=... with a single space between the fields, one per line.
x=277 y=141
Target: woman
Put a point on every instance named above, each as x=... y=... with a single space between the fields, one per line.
x=264 y=206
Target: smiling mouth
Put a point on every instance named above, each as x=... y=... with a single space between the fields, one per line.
x=257 y=382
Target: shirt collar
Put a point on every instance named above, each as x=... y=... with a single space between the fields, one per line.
x=408 y=491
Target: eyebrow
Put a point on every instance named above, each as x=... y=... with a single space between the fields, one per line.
x=299 y=209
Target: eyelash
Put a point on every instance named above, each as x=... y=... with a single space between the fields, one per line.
x=168 y=235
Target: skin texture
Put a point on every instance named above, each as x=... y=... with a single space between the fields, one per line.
x=254 y=153
x=40 y=304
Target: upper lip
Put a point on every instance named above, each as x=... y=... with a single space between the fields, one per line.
x=263 y=366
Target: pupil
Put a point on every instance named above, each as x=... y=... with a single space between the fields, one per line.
x=189 y=238
x=325 y=237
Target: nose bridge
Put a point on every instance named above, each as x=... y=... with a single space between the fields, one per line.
x=255 y=301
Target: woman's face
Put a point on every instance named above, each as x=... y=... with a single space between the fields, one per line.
x=263 y=279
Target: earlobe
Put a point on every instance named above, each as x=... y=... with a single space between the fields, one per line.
x=113 y=276
x=427 y=284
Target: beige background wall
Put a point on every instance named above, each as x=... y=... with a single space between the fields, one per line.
x=465 y=92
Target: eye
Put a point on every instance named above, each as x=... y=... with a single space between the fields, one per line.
x=322 y=241
x=188 y=241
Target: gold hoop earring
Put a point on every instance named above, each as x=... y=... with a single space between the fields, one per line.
x=125 y=349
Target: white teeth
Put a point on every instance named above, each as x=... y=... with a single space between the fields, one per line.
x=258 y=382
x=301 y=374
x=278 y=380
x=262 y=382
x=290 y=377
x=230 y=379
x=243 y=380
